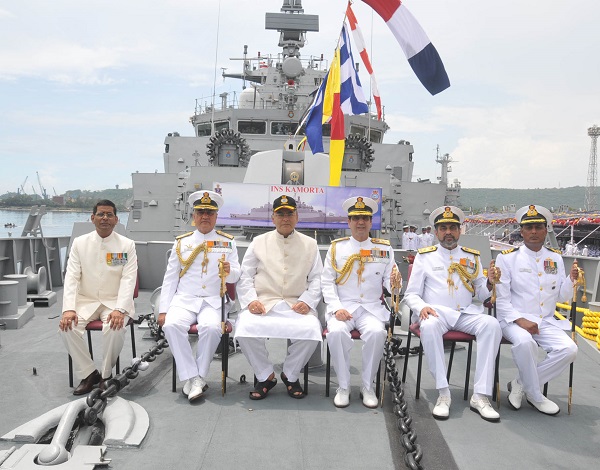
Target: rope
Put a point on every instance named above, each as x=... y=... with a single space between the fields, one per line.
x=186 y=263
x=346 y=270
x=466 y=278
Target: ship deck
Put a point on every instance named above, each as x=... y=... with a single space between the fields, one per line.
x=280 y=432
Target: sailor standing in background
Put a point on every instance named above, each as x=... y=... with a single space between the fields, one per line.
x=430 y=237
x=413 y=238
x=405 y=238
x=533 y=280
x=99 y=284
x=357 y=268
x=423 y=238
x=191 y=291
x=443 y=282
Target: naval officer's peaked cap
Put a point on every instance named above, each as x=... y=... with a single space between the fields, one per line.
x=207 y=200
x=534 y=214
x=284 y=202
x=447 y=215
x=360 y=205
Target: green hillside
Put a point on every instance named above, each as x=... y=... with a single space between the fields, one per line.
x=493 y=199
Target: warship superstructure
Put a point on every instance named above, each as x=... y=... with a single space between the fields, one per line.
x=248 y=138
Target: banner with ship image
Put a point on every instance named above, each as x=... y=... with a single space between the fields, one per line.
x=319 y=207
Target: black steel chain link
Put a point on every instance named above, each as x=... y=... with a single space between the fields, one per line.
x=97 y=399
x=408 y=436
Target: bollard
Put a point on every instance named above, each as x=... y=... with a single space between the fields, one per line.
x=9 y=298
x=22 y=280
x=36 y=283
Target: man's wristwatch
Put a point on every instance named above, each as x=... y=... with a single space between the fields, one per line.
x=121 y=310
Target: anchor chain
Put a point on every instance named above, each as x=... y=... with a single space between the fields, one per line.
x=97 y=399
x=408 y=436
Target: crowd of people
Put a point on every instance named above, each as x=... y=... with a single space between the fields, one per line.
x=282 y=279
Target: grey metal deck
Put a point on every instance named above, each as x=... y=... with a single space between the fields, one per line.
x=280 y=432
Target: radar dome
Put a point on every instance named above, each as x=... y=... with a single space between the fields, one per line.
x=248 y=98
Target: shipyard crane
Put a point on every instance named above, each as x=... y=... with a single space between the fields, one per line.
x=22 y=189
x=42 y=189
x=591 y=202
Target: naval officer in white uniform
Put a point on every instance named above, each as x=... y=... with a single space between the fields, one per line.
x=191 y=291
x=533 y=280
x=99 y=284
x=357 y=268
x=279 y=292
x=442 y=284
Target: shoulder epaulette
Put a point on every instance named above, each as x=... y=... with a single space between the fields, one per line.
x=226 y=235
x=556 y=250
x=340 y=239
x=471 y=250
x=380 y=241
x=184 y=235
x=510 y=250
x=427 y=249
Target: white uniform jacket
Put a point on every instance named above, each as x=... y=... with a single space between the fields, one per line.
x=531 y=284
x=428 y=284
x=194 y=286
x=378 y=263
x=100 y=271
x=277 y=268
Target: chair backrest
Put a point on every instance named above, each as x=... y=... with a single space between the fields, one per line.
x=230 y=290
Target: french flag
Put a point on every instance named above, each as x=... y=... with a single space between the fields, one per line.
x=422 y=56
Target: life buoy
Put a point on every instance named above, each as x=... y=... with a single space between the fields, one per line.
x=291 y=114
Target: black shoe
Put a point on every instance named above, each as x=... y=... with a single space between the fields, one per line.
x=87 y=384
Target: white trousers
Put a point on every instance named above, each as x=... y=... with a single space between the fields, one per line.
x=112 y=343
x=560 y=348
x=177 y=324
x=298 y=354
x=372 y=333
x=486 y=330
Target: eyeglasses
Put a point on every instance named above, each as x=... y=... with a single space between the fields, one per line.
x=282 y=215
x=205 y=212
x=360 y=217
x=101 y=215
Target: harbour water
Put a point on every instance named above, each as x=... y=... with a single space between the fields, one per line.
x=54 y=223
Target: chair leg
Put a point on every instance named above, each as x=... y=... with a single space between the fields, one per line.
x=90 y=349
x=378 y=381
x=419 y=367
x=450 y=361
x=496 y=391
x=468 y=374
x=225 y=359
x=306 y=379
x=118 y=365
x=327 y=372
x=173 y=381
x=406 y=357
x=546 y=389
x=70 y=371
x=133 y=352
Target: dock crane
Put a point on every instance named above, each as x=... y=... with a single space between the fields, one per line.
x=21 y=190
x=42 y=189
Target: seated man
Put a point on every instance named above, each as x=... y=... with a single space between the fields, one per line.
x=279 y=292
x=99 y=284
x=443 y=282
x=357 y=268
x=533 y=280
x=191 y=291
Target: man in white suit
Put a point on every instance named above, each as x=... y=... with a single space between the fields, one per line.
x=191 y=291
x=99 y=284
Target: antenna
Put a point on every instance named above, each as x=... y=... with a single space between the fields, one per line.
x=591 y=202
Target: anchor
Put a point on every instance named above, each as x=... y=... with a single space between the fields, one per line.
x=76 y=435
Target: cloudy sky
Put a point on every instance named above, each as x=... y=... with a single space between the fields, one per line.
x=89 y=89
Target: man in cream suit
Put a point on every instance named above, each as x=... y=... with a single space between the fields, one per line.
x=191 y=291
x=99 y=284
x=279 y=291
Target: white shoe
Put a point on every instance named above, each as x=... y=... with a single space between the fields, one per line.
x=197 y=389
x=515 y=396
x=187 y=387
x=485 y=410
x=441 y=410
x=545 y=406
x=369 y=398
x=342 y=397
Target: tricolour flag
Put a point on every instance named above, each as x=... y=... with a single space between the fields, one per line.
x=359 y=41
x=422 y=56
x=340 y=93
